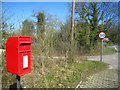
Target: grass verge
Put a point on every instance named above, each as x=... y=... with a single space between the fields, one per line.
x=55 y=75
x=111 y=45
x=109 y=51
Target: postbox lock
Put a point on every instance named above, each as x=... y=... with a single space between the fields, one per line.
x=25 y=52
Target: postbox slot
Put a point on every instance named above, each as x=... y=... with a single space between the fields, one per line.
x=21 y=51
x=25 y=47
x=28 y=51
x=25 y=44
x=24 y=51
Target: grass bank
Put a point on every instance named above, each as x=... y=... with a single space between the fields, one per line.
x=111 y=45
x=109 y=51
x=55 y=74
x=105 y=51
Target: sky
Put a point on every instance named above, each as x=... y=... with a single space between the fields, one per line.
x=59 y=0
x=19 y=11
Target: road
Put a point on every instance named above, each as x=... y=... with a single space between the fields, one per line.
x=117 y=47
x=111 y=59
x=104 y=79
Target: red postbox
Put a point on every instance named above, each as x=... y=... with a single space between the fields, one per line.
x=18 y=55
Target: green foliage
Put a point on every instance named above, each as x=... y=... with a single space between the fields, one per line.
x=28 y=28
x=113 y=34
x=82 y=33
x=40 y=25
x=93 y=24
x=87 y=25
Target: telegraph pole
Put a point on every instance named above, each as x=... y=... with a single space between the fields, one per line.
x=72 y=29
x=72 y=24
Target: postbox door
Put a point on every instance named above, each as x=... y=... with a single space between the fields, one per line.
x=24 y=62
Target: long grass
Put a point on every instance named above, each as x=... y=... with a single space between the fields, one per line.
x=55 y=75
x=111 y=45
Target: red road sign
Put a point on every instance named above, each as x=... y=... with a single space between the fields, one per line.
x=102 y=35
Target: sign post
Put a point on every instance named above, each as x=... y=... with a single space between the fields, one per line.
x=101 y=49
x=101 y=35
x=18 y=82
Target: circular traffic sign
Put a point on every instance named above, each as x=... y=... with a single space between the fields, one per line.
x=102 y=35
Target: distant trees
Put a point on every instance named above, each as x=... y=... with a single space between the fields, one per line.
x=113 y=34
x=35 y=30
x=53 y=28
x=27 y=28
x=82 y=29
x=111 y=15
x=91 y=18
x=40 y=25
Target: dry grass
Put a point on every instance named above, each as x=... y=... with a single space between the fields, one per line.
x=57 y=75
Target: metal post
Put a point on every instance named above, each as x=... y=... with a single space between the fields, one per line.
x=101 y=49
x=18 y=82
